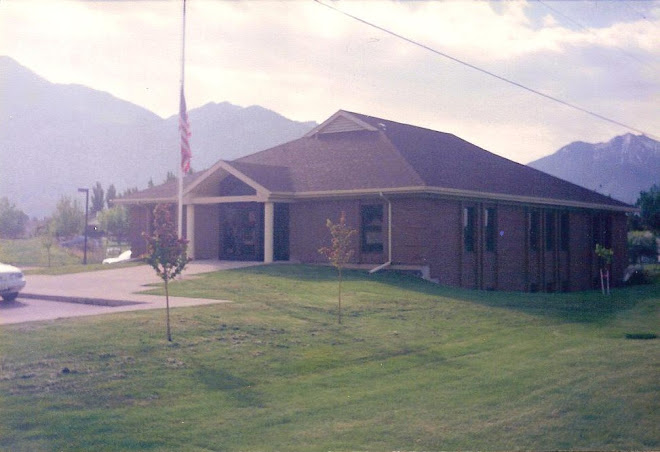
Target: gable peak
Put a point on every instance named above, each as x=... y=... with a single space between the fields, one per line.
x=342 y=121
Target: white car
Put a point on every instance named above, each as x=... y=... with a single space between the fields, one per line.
x=12 y=282
x=123 y=257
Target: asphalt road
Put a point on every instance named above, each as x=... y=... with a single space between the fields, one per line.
x=48 y=297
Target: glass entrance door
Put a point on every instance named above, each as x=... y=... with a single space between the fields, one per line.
x=241 y=232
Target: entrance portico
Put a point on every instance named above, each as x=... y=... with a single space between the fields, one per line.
x=227 y=201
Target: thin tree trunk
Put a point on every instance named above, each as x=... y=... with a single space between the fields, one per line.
x=607 y=275
x=167 y=306
x=339 y=310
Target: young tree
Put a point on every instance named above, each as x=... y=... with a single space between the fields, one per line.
x=605 y=257
x=340 y=250
x=47 y=239
x=166 y=252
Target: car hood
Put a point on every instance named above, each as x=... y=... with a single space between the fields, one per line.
x=6 y=268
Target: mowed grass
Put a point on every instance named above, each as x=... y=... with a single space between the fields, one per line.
x=31 y=252
x=32 y=256
x=414 y=366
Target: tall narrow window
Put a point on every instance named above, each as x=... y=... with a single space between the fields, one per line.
x=595 y=231
x=549 y=231
x=564 y=236
x=468 y=228
x=372 y=228
x=489 y=228
x=602 y=230
x=534 y=230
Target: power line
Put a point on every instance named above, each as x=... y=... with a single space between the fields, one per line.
x=582 y=27
x=484 y=71
x=641 y=14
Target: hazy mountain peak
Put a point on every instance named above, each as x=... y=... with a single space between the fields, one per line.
x=620 y=167
x=70 y=136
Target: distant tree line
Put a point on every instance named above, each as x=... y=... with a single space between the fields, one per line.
x=12 y=220
x=68 y=218
x=644 y=227
x=649 y=216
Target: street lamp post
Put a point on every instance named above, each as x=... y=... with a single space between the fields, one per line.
x=86 y=191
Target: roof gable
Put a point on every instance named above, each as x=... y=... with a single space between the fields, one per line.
x=209 y=184
x=342 y=121
x=232 y=186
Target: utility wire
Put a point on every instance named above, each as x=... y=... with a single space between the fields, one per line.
x=641 y=14
x=484 y=71
x=582 y=27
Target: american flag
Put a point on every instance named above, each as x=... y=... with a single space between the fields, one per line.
x=184 y=128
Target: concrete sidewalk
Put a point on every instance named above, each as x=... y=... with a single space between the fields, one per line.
x=79 y=294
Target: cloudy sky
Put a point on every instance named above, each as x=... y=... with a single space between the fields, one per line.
x=306 y=61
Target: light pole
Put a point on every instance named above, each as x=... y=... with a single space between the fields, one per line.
x=86 y=191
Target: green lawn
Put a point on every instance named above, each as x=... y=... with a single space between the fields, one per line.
x=31 y=254
x=413 y=367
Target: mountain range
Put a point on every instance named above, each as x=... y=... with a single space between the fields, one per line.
x=620 y=168
x=55 y=138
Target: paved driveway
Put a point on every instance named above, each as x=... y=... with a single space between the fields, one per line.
x=80 y=294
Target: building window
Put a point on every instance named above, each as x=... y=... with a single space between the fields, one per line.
x=564 y=236
x=468 y=228
x=534 y=230
x=489 y=228
x=372 y=228
x=602 y=230
x=549 y=231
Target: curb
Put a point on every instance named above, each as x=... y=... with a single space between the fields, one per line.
x=81 y=300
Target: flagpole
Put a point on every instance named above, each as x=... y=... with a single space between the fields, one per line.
x=183 y=64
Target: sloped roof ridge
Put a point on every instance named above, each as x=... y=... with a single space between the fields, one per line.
x=236 y=163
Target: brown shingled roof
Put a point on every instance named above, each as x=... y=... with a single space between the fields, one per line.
x=355 y=152
x=444 y=160
x=396 y=155
x=272 y=177
x=341 y=161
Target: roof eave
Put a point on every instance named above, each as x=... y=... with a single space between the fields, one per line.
x=154 y=200
x=452 y=193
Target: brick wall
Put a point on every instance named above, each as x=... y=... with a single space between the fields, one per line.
x=429 y=232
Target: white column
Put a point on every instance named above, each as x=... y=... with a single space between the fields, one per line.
x=269 y=226
x=190 y=229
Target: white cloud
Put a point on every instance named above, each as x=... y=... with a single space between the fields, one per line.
x=306 y=61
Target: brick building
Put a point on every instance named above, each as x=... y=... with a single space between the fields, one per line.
x=418 y=198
